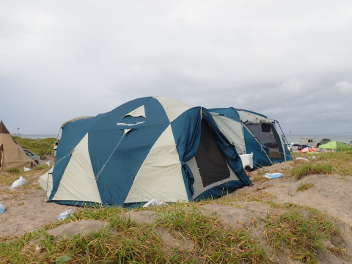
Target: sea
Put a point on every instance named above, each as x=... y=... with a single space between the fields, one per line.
x=347 y=138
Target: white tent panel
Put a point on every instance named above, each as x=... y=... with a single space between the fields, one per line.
x=78 y=181
x=173 y=108
x=160 y=176
x=232 y=130
x=138 y=112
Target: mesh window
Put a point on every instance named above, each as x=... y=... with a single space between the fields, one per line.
x=211 y=161
x=267 y=135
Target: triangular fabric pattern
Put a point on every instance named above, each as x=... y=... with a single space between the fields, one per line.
x=160 y=176
x=172 y=108
x=138 y=112
x=3 y=129
x=78 y=182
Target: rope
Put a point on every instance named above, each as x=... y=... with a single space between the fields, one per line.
x=110 y=156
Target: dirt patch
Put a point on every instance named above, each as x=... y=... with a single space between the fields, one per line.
x=82 y=227
x=330 y=194
x=142 y=217
x=26 y=211
x=171 y=241
x=237 y=217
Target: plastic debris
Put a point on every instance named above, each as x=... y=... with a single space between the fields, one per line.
x=301 y=158
x=17 y=183
x=65 y=214
x=273 y=175
x=26 y=169
x=247 y=160
x=153 y=202
x=2 y=208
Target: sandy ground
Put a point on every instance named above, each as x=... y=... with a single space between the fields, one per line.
x=26 y=210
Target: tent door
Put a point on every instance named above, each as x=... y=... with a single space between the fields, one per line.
x=211 y=161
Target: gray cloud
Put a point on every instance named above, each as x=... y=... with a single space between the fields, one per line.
x=288 y=59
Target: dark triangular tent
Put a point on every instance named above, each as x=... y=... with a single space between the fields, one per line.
x=11 y=154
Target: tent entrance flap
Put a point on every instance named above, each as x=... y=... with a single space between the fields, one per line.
x=211 y=161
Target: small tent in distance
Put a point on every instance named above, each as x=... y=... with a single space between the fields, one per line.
x=11 y=154
x=335 y=146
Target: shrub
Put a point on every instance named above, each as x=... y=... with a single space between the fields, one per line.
x=310 y=168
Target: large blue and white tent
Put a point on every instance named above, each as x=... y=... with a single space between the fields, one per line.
x=252 y=132
x=148 y=148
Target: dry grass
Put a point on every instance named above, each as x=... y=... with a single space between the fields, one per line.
x=304 y=186
x=301 y=231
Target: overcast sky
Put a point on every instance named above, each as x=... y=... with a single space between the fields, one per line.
x=291 y=60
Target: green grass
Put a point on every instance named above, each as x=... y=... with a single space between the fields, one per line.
x=302 y=232
x=41 y=167
x=304 y=186
x=341 y=162
x=14 y=170
x=311 y=168
x=41 y=146
x=124 y=241
x=214 y=243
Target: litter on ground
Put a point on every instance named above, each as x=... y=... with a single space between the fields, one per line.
x=273 y=175
x=65 y=214
x=17 y=183
x=2 y=208
x=153 y=202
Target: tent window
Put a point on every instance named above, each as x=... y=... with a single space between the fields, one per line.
x=270 y=139
x=211 y=161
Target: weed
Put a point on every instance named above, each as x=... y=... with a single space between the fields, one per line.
x=14 y=170
x=41 y=167
x=311 y=168
x=214 y=243
x=300 y=231
x=304 y=186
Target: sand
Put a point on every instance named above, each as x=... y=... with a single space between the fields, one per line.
x=26 y=211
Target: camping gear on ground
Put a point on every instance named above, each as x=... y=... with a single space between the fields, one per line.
x=252 y=132
x=148 y=148
x=11 y=154
x=273 y=175
x=247 y=161
x=65 y=214
x=17 y=183
x=2 y=208
x=335 y=146
x=308 y=149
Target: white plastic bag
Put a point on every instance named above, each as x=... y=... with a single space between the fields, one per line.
x=153 y=202
x=2 y=208
x=65 y=214
x=26 y=169
x=301 y=158
x=273 y=175
x=17 y=183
